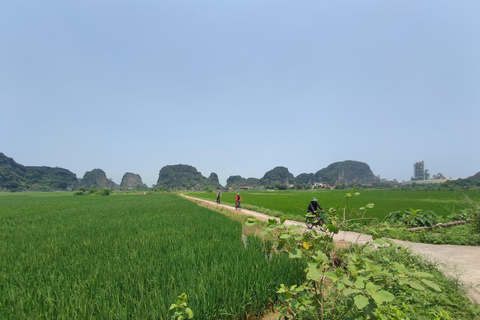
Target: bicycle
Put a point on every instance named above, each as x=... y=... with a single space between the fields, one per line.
x=238 y=205
x=312 y=220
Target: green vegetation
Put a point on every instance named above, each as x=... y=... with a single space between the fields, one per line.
x=129 y=257
x=293 y=204
x=438 y=230
x=346 y=172
x=185 y=177
x=16 y=177
x=431 y=208
x=363 y=281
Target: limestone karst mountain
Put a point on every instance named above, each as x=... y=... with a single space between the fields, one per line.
x=97 y=178
x=16 y=177
x=132 y=181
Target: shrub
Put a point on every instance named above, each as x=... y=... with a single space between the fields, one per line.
x=414 y=218
x=104 y=192
x=92 y=190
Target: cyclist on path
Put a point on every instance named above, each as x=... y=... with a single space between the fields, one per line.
x=313 y=207
x=237 y=200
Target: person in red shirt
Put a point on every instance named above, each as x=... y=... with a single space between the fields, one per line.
x=237 y=201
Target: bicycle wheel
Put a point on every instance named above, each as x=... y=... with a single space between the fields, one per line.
x=321 y=223
x=309 y=222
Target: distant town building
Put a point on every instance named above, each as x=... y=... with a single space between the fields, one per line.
x=419 y=171
x=439 y=176
x=422 y=175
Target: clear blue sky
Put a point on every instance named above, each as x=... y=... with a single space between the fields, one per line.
x=240 y=87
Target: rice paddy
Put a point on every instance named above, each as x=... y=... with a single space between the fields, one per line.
x=129 y=257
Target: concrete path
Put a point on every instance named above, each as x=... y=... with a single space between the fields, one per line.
x=462 y=262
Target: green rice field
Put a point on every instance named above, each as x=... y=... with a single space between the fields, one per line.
x=129 y=257
x=295 y=203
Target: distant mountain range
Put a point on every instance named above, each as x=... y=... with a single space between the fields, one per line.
x=16 y=177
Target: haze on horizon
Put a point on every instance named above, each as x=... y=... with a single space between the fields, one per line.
x=238 y=88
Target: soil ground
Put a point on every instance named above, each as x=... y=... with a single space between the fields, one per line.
x=459 y=262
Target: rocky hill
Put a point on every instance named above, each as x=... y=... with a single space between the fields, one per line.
x=16 y=177
x=182 y=176
x=132 y=181
x=213 y=181
x=97 y=178
x=306 y=178
x=277 y=175
x=239 y=181
x=346 y=172
x=475 y=176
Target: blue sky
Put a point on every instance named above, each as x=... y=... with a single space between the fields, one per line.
x=240 y=87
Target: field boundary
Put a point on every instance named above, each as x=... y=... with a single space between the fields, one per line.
x=459 y=262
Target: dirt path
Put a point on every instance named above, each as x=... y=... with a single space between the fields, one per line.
x=462 y=262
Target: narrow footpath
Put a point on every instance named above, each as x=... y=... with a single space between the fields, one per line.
x=462 y=262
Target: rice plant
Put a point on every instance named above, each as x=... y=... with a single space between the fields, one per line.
x=129 y=257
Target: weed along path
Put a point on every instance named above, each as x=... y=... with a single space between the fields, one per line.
x=460 y=262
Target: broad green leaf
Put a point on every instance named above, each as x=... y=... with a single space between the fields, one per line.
x=189 y=313
x=295 y=254
x=361 y=301
x=348 y=282
x=379 y=242
x=332 y=228
x=382 y=296
x=423 y=274
x=368 y=249
x=282 y=289
x=321 y=257
x=370 y=205
x=285 y=236
x=359 y=283
x=370 y=287
x=298 y=237
x=251 y=221
x=432 y=285
x=313 y=274
x=332 y=276
x=349 y=291
x=272 y=222
x=413 y=284
x=353 y=270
